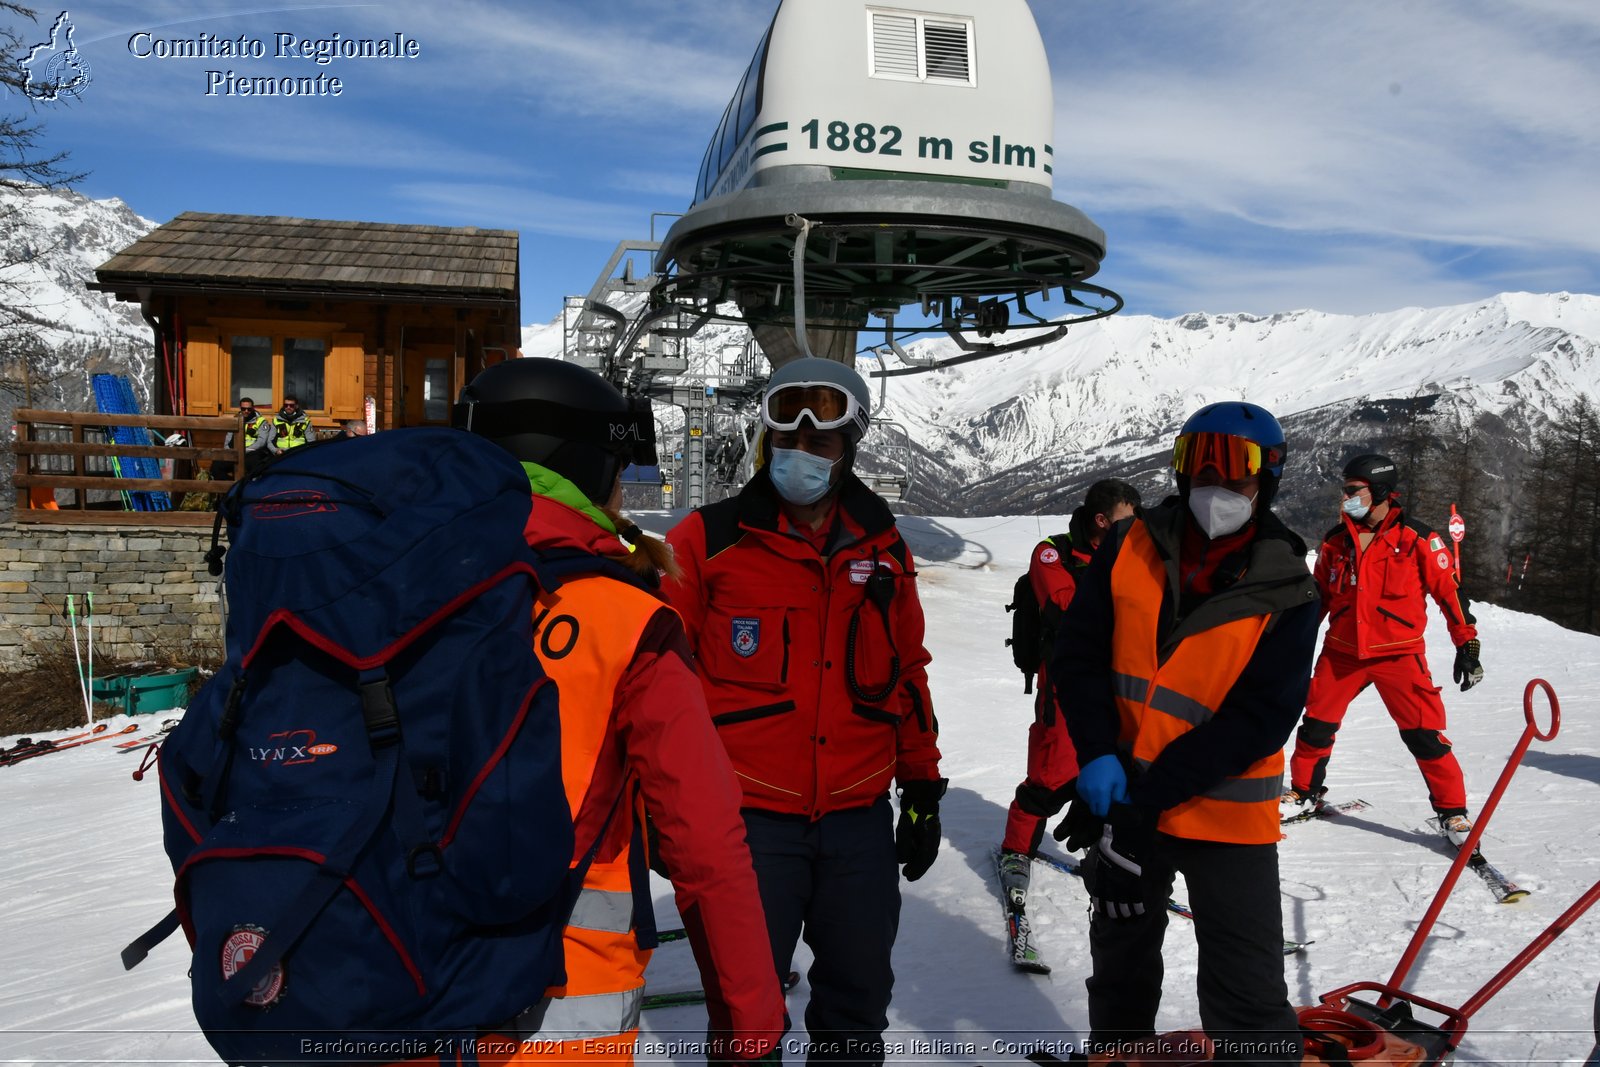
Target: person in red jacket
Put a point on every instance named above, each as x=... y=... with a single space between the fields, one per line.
x=633 y=728
x=1374 y=570
x=1051 y=760
x=800 y=599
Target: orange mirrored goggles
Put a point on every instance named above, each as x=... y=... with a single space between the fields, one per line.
x=1233 y=457
x=829 y=407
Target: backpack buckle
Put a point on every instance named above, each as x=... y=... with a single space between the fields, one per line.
x=424 y=861
x=378 y=710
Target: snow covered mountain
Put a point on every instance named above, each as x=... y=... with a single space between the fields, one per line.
x=1026 y=433
x=50 y=243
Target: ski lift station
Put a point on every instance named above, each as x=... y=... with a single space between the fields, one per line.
x=879 y=174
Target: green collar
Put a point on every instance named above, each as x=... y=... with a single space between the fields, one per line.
x=547 y=483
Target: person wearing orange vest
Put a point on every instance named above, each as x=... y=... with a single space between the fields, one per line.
x=800 y=599
x=635 y=735
x=1052 y=763
x=1375 y=571
x=1180 y=668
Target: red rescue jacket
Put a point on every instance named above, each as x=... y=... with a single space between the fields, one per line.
x=1373 y=598
x=779 y=633
x=633 y=724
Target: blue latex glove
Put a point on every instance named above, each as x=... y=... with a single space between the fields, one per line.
x=1102 y=783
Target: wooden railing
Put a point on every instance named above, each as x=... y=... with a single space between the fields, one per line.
x=32 y=445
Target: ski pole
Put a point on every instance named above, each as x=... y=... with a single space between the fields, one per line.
x=1529 y=732
x=77 y=655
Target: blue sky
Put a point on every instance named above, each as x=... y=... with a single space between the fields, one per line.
x=1251 y=155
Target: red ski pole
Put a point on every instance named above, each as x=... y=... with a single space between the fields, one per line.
x=1529 y=732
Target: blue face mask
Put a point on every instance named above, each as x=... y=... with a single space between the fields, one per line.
x=1354 y=508
x=800 y=477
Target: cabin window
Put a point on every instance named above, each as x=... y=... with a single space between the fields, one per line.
x=305 y=361
x=268 y=368
x=928 y=48
x=250 y=359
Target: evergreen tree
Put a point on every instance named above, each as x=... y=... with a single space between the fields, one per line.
x=1561 y=520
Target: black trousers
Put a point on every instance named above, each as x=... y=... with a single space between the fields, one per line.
x=835 y=882
x=1238 y=925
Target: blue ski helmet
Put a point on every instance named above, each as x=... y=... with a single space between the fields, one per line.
x=1243 y=423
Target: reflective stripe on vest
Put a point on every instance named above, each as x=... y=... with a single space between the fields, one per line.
x=585 y=632
x=1159 y=701
x=598 y=909
x=575 y=1017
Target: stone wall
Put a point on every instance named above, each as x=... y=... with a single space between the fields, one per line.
x=151 y=591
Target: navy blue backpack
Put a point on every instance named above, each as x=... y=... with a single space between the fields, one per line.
x=364 y=808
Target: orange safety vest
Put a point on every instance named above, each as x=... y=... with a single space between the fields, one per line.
x=585 y=633
x=1159 y=700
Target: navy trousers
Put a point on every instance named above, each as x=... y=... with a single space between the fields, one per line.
x=834 y=882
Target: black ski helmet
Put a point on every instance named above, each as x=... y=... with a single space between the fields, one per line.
x=1379 y=472
x=560 y=416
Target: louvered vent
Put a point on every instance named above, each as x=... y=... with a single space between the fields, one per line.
x=946 y=45
x=894 y=46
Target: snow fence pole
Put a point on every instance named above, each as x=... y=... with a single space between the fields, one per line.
x=88 y=633
x=1529 y=732
x=77 y=657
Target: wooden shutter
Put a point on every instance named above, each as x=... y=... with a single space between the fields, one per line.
x=203 y=359
x=346 y=365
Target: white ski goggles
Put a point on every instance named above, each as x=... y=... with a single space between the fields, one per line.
x=827 y=406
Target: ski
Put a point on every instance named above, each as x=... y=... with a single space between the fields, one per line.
x=1324 y=810
x=62 y=747
x=27 y=744
x=1177 y=908
x=1504 y=889
x=1019 y=935
x=685 y=997
x=139 y=742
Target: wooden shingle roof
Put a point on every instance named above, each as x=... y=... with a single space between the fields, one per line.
x=274 y=255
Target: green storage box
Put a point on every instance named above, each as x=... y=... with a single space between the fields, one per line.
x=159 y=692
x=112 y=689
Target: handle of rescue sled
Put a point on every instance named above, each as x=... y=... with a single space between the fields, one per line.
x=1529 y=732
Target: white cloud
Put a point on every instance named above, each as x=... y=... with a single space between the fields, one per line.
x=513 y=207
x=1472 y=125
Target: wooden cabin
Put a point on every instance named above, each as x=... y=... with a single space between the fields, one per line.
x=374 y=321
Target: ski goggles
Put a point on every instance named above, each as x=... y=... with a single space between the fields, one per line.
x=1232 y=457
x=827 y=406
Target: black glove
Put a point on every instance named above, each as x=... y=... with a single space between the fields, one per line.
x=916 y=838
x=1468 y=671
x=1081 y=828
x=1113 y=872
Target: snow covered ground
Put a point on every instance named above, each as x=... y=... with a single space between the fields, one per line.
x=83 y=871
